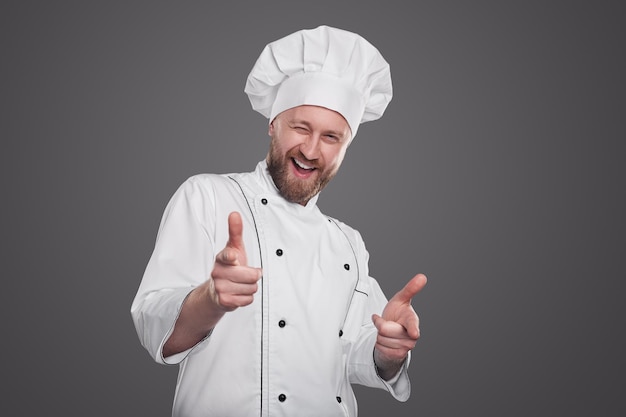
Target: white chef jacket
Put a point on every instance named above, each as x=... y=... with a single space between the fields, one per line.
x=308 y=333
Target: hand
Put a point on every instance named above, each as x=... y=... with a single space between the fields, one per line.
x=398 y=328
x=233 y=283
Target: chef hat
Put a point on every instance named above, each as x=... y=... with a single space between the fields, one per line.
x=326 y=67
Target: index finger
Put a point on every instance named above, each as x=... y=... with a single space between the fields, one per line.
x=414 y=286
x=235 y=230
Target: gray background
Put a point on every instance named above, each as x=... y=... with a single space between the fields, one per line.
x=497 y=170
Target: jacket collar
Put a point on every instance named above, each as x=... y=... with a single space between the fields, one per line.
x=265 y=181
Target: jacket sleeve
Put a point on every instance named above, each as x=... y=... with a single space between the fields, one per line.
x=362 y=369
x=181 y=260
x=370 y=299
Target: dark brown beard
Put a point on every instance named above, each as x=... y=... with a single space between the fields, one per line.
x=292 y=190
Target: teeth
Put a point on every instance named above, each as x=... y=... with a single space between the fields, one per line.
x=301 y=165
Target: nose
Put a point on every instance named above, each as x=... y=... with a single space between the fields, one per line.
x=310 y=147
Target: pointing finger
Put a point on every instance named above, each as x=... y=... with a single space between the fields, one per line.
x=414 y=286
x=234 y=253
x=235 y=231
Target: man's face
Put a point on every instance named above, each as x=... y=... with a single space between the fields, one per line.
x=308 y=145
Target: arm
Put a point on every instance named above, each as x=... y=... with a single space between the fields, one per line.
x=398 y=329
x=232 y=284
x=182 y=262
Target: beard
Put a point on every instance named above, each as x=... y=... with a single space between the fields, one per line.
x=291 y=188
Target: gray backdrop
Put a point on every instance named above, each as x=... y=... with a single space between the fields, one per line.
x=497 y=170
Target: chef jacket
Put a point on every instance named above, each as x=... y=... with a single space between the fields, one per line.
x=307 y=335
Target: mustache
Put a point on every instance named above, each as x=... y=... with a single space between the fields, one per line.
x=297 y=154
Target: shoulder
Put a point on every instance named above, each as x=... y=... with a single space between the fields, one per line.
x=200 y=190
x=203 y=184
x=205 y=180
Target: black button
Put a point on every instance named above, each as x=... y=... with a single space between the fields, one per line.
x=282 y=398
x=279 y=252
x=281 y=323
x=340 y=333
x=264 y=201
x=347 y=267
x=338 y=399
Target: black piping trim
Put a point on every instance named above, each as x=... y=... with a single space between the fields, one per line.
x=358 y=272
x=258 y=239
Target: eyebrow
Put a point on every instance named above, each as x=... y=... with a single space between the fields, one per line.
x=307 y=124
x=298 y=121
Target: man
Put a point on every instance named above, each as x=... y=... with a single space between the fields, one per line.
x=265 y=303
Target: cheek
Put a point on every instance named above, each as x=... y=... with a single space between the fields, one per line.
x=335 y=157
x=285 y=142
x=280 y=146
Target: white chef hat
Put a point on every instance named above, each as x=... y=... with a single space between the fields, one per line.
x=326 y=67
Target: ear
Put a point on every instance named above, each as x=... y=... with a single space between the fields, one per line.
x=270 y=129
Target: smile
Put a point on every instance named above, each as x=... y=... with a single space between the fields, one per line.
x=302 y=165
x=302 y=170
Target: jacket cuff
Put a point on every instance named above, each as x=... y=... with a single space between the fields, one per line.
x=400 y=385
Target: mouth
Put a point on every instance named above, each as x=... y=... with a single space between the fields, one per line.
x=301 y=169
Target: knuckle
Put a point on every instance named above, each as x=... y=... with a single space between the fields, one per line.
x=218 y=285
x=227 y=302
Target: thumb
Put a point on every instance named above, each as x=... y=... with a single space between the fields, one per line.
x=414 y=286
x=378 y=321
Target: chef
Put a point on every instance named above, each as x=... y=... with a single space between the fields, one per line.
x=264 y=303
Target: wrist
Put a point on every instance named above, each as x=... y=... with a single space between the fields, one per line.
x=386 y=367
